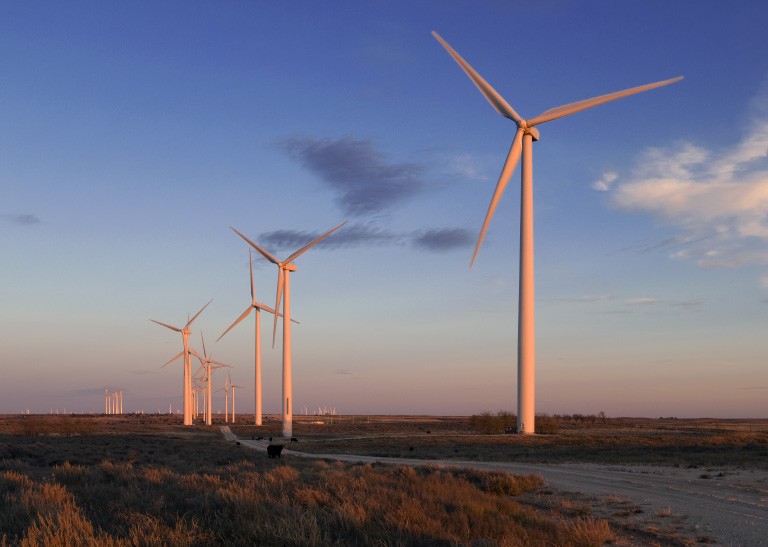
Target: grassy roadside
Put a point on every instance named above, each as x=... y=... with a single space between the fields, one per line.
x=148 y=481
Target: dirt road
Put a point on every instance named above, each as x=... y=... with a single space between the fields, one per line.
x=728 y=505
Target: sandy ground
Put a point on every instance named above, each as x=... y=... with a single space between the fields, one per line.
x=730 y=506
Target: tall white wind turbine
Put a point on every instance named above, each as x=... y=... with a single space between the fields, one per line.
x=257 y=307
x=521 y=145
x=187 y=391
x=284 y=269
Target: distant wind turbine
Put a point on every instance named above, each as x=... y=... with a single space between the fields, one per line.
x=233 y=387
x=209 y=365
x=187 y=391
x=284 y=269
x=257 y=307
x=521 y=145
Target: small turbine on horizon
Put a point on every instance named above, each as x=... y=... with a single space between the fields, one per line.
x=521 y=145
x=284 y=268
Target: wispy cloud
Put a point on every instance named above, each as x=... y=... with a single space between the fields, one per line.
x=362 y=178
x=356 y=235
x=21 y=219
x=689 y=304
x=603 y=184
x=717 y=200
x=350 y=236
x=466 y=167
x=590 y=298
x=644 y=301
x=445 y=239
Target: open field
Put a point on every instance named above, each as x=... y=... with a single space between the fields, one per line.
x=139 y=480
x=671 y=442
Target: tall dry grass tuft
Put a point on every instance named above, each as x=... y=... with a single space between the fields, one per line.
x=45 y=514
x=586 y=531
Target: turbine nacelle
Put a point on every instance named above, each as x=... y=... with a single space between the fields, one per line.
x=532 y=131
x=288 y=267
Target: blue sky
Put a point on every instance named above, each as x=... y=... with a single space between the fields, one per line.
x=133 y=135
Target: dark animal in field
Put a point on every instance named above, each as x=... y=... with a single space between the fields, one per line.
x=294 y=440
x=238 y=443
x=274 y=450
x=411 y=449
x=270 y=439
x=259 y=438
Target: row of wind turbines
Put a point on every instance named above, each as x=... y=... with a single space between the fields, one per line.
x=525 y=135
x=283 y=296
x=113 y=401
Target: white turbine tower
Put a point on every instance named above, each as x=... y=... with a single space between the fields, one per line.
x=209 y=365
x=233 y=388
x=521 y=145
x=187 y=391
x=284 y=269
x=257 y=307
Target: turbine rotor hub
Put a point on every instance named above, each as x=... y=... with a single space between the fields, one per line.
x=532 y=131
x=288 y=267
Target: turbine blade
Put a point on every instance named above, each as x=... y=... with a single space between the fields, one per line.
x=205 y=352
x=198 y=313
x=197 y=355
x=243 y=316
x=264 y=253
x=264 y=307
x=250 y=260
x=496 y=100
x=280 y=281
x=572 y=108
x=306 y=247
x=166 y=325
x=172 y=359
x=506 y=173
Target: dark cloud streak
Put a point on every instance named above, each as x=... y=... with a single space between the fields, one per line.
x=364 y=181
x=22 y=219
x=358 y=235
x=444 y=239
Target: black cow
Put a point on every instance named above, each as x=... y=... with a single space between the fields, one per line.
x=294 y=440
x=274 y=450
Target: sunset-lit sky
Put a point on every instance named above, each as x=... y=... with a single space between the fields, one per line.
x=133 y=134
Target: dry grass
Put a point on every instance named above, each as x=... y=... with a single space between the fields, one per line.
x=146 y=480
x=112 y=481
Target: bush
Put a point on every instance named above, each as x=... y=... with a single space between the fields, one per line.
x=488 y=423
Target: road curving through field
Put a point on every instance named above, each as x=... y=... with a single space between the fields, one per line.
x=728 y=505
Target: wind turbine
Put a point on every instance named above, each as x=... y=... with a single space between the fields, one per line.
x=233 y=387
x=521 y=145
x=187 y=392
x=257 y=307
x=284 y=269
x=209 y=365
x=225 y=389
